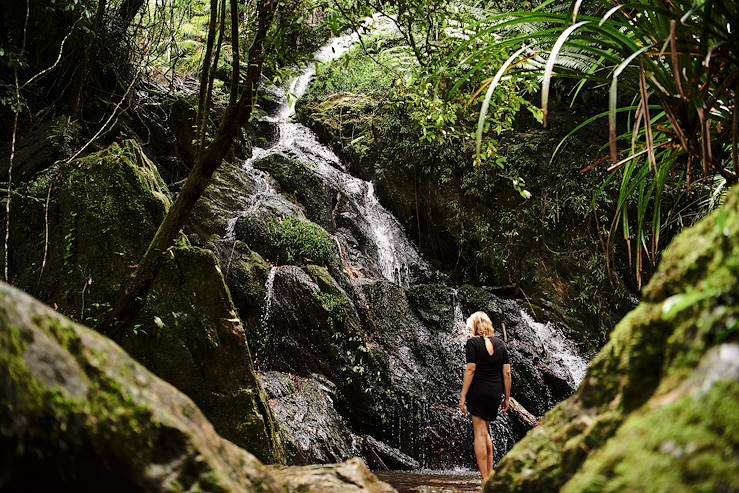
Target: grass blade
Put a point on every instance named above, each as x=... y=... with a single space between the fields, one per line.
x=489 y=96
x=612 y=101
x=550 y=66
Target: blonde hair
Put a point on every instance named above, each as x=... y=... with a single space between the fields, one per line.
x=480 y=325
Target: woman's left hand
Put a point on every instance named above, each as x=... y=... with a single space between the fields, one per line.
x=506 y=405
x=463 y=407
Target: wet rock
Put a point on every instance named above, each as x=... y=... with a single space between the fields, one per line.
x=265 y=132
x=296 y=180
x=102 y=211
x=311 y=429
x=349 y=477
x=78 y=408
x=226 y=196
x=657 y=404
x=271 y=97
x=318 y=322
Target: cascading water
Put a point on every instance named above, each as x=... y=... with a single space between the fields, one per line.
x=559 y=347
x=269 y=287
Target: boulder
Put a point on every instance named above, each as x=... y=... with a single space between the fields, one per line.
x=350 y=477
x=311 y=429
x=305 y=187
x=79 y=414
x=84 y=223
x=658 y=408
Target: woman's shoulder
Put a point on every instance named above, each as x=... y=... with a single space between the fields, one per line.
x=498 y=341
x=473 y=341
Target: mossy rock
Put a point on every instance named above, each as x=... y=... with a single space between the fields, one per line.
x=298 y=182
x=299 y=242
x=635 y=387
x=79 y=414
x=683 y=442
x=102 y=211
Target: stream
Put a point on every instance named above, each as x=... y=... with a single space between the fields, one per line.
x=413 y=323
x=455 y=481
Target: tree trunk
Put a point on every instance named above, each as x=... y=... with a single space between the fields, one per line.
x=201 y=117
x=235 y=59
x=136 y=288
x=128 y=10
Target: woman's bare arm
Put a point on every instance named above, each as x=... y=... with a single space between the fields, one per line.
x=507 y=385
x=469 y=373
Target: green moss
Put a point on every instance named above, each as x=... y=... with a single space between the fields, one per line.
x=686 y=446
x=301 y=241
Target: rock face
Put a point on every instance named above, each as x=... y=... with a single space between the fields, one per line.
x=84 y=224
x=659 y=407
x=78 y=408
x=312 y=431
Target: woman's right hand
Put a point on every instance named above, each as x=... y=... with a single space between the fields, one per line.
x=463 y=407
x=506 y=405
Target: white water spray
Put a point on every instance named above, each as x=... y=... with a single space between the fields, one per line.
x=558 y=346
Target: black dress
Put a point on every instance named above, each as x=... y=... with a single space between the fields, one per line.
x=486 y=391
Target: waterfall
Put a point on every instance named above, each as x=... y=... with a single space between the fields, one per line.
x=459 y=323
x=269 y=288
x=395 y=255
x=558 y=346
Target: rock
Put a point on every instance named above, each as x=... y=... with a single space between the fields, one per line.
x=265 y=132
x=311 y=429
x=102 y=211
x=79 y=414
x=224 y=199
x=310 y=315
x=681 y=441
x=296 y=180
x=350 y=477
x=271 y=97
x=654 y=411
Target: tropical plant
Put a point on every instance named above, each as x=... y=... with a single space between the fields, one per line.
x=678 y=63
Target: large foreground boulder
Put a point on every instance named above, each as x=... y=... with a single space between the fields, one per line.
x=75 y=232
x=79 y=414
x=659 y=407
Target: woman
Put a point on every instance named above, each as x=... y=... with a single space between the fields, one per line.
x=486 y=378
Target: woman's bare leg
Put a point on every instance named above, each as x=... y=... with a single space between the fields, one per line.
x=480 y=429
x=491 y=454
